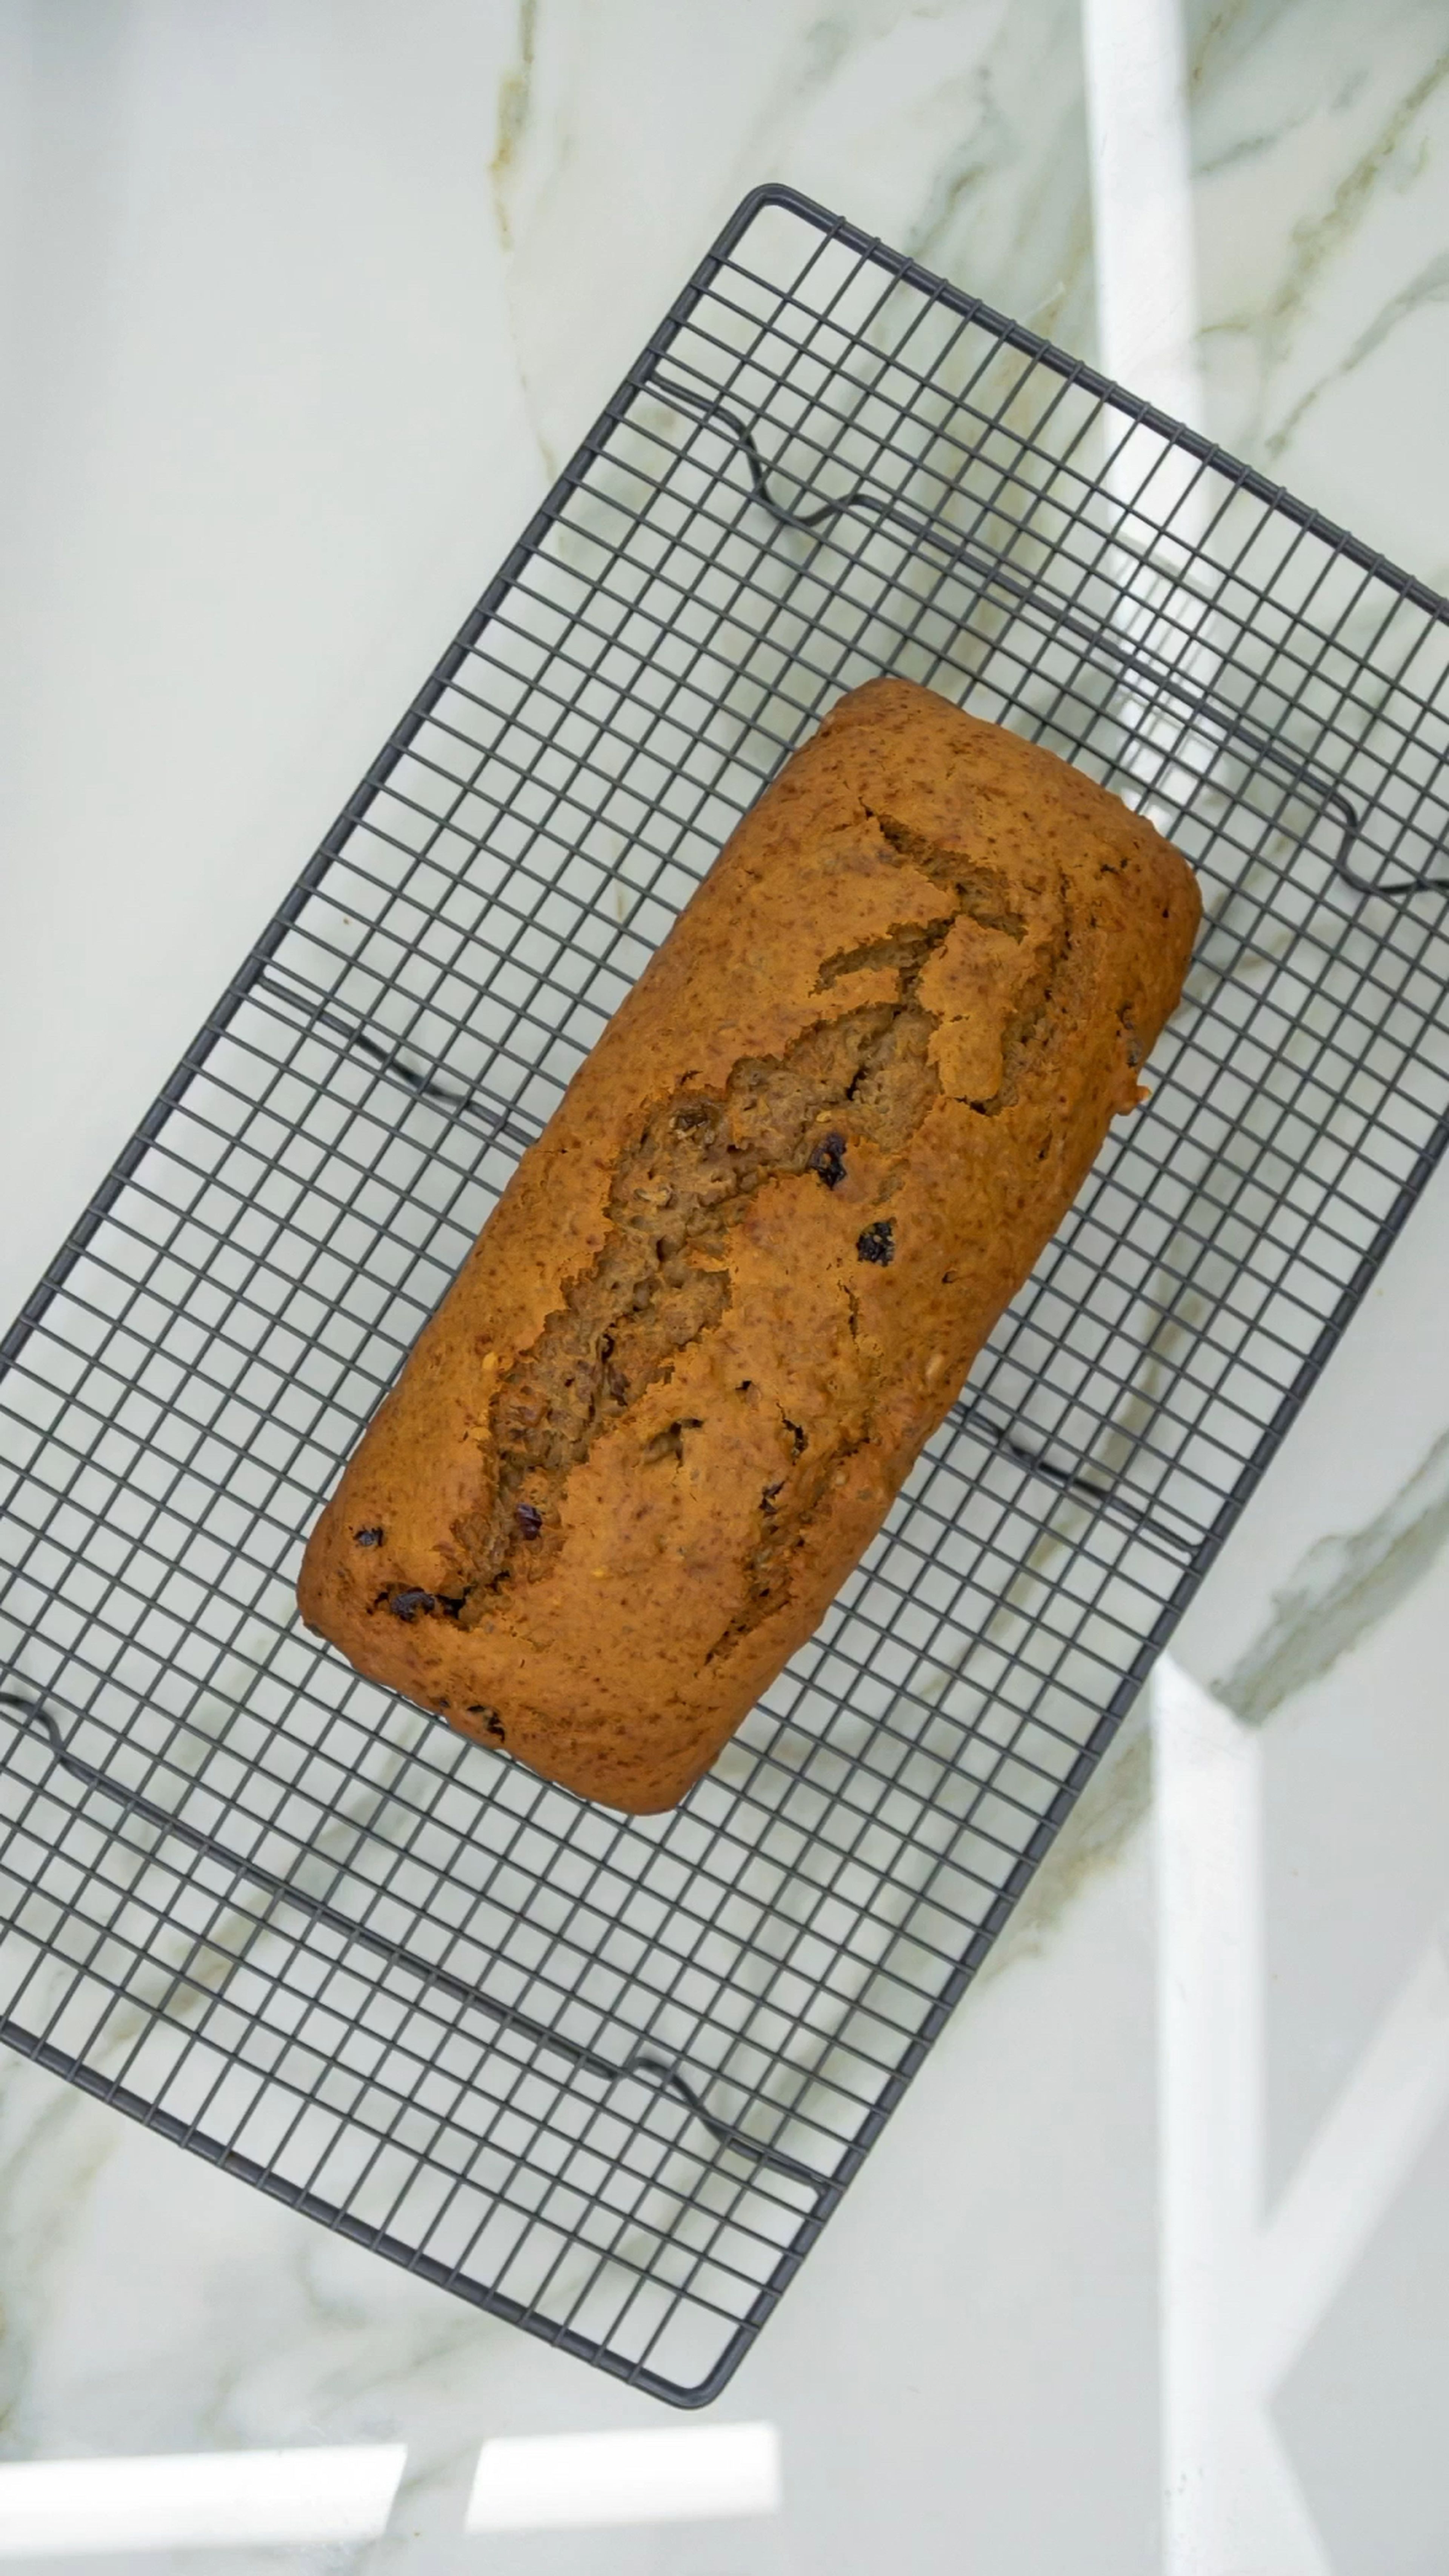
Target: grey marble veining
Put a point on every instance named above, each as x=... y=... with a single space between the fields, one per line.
x=1344 y=1587
x=1321 y=134
x=954 y=132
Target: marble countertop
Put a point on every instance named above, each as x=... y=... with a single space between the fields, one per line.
x=305 y=301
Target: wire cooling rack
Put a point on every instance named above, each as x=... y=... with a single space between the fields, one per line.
x=609 y=2077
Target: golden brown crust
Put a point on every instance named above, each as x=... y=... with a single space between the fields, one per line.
x=741 y=1277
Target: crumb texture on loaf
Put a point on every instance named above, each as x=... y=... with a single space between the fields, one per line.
x=742 y=1276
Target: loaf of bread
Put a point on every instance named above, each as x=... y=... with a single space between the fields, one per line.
x=741 y=1277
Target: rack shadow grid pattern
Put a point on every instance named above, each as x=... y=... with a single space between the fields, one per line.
x=608 y=2078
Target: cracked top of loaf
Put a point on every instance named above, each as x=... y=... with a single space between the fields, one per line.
x=742 y=1275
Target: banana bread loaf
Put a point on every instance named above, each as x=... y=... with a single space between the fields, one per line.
x=741 y=1277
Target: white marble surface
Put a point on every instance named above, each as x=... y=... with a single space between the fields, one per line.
x=302 y=303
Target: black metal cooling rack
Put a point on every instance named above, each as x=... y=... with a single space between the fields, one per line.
x=609 y=2078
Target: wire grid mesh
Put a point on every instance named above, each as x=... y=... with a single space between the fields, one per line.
x=608 y=2077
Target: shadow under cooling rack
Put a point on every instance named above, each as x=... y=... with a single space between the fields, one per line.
x=607 y=2076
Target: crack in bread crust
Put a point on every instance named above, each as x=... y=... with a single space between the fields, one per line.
x=662 y=1279
x=737 y=1283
